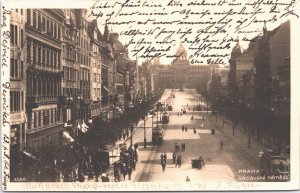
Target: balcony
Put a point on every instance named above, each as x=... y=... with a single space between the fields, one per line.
x=42 y=99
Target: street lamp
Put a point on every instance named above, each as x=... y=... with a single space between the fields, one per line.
x=131 y=132
x=79 y=100
x=232 y=117
x=145 y=140
x=249 y=126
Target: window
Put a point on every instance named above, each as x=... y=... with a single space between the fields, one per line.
x=34 y=18
x=15 y=101
x=58 y=32
x=22 y=69
x=22 y=100
x=39 y=22
x=14 y=68
x=47 y=57
x=34 y=54
x=48 y=27
x=44 y=24
x=55 y=30
x=22 y=38
x=29 y=16
x=43 y=56
x=16 y=36
x=39 y=55
x=12 y=34
x=29 y=51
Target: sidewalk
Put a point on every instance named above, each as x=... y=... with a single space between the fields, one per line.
x=117 y=145
x=239 y=139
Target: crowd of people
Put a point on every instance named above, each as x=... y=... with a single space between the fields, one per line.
x=126 y=164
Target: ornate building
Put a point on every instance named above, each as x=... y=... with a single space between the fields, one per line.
x=95 y=68
x=71 y=67
x=44 y=77
x=17 y=92
x=84 y=60
x=17 y=80
x=181 y=74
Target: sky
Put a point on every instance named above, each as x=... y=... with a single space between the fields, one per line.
x=136 y=17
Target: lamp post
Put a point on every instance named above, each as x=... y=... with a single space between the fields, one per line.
x=131 y=132
x=232 y=114
x=249 y=126
x=223 y=111
x=79 y=100
x=206 y=106
x=217 y=99
x=145 y=140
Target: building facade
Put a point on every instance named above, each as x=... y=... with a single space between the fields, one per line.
x=71 y=67
x=43 y=77
x=95 y=68
x=181 y=74
x=17 y=80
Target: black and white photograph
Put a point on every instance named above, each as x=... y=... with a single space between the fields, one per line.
x=150 y=95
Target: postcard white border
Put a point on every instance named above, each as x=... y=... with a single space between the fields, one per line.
x=149 y=186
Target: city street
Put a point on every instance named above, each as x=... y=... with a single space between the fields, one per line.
x=221 y=165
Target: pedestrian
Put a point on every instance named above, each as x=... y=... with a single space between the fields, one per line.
x=103 y=177
x=133 y=163
x=161 y=158
x=129 y=171
x=195 y=130
x=182 y=147
x=124 y=171
x=163 y=165
x=176 y=161
x=80 y=177
x=185 y=129
x=182 y=128
x=179 y=160
x=221 y=144
x=174 y=157
x=187 y=179
x=165 y=157
x=201 y=162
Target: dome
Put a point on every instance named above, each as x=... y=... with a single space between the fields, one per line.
x=156 y=61
x=181 y=51
x=237 y=49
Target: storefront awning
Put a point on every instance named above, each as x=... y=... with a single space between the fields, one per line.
x=30 y=155
x=105 y=88
x=67 y=125
x=67 y=136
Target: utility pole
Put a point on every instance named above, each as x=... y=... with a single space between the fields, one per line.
x=131 y=132
x=145 y=140
x=233 y=127
x=223 y=118
x=206 y=106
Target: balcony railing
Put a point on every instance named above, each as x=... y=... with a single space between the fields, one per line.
x=42 y=99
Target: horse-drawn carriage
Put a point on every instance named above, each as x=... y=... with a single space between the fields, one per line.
x=198 y=163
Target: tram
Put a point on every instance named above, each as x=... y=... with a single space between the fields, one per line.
x=157 y=135
x=165 y=117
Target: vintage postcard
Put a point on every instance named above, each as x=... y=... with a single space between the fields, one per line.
x=150 y=95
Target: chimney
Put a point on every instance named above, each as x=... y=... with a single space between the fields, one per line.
x=265 y=28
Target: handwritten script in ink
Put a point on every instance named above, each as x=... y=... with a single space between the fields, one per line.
x=208 y=28
x=5 y=87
